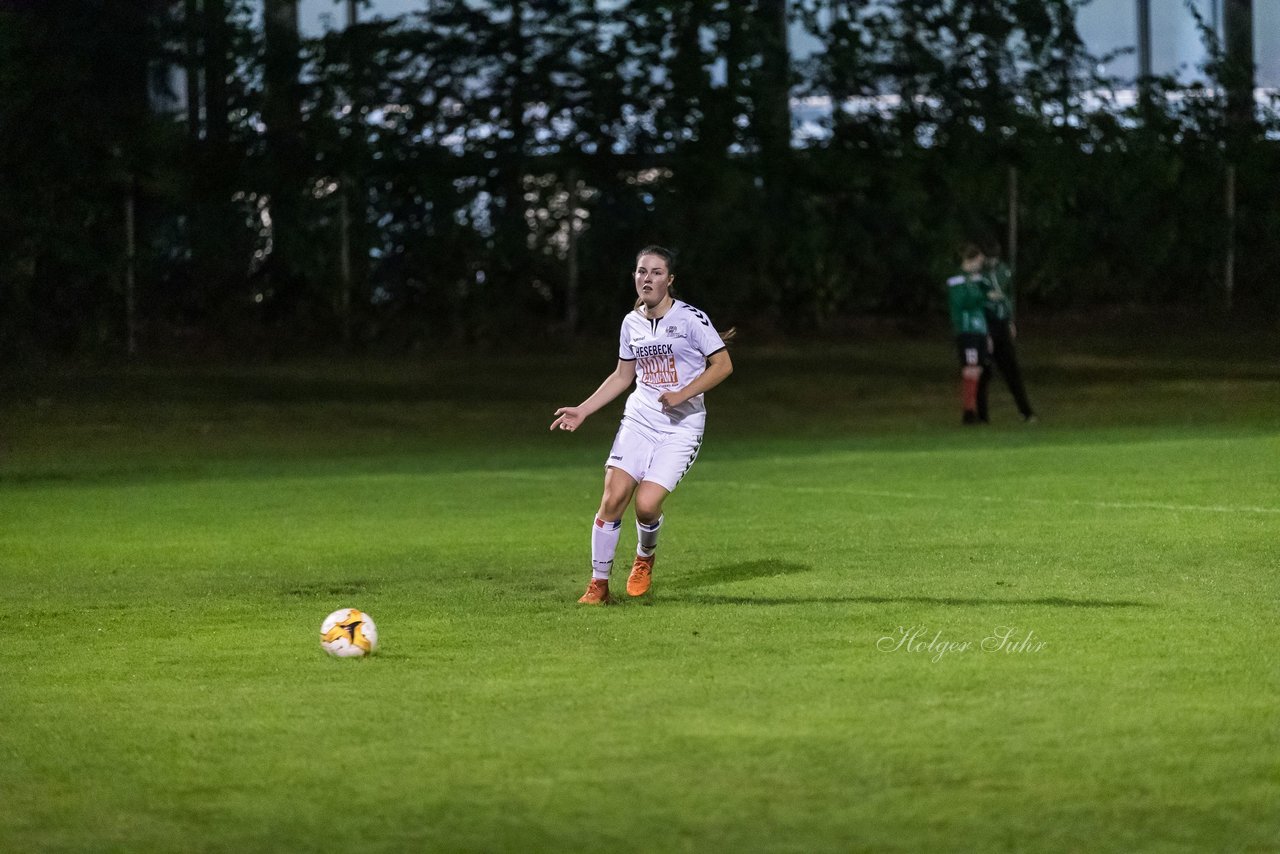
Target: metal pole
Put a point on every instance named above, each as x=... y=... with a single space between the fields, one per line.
x=344 y=263
x=1144 y=41
x=1012 y=241
x=1229 y=272
x=1241 y=70
x=344 y=224
x=571 y=286
x=191 y=20
x=130 y=256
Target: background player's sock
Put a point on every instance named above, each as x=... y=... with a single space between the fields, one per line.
x=969 y=392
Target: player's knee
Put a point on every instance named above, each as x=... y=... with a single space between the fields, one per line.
x=648 y=508
x=971 y=372
x=612 y=505
x=648 y=513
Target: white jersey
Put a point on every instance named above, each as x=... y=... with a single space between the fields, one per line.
x=669 y=352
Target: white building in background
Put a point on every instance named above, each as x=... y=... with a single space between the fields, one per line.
x=1176 y=47
x=1107 y=26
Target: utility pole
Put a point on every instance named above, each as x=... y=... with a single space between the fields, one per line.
x=192 y=21
x=1239 y=73
x=1241 y=115
x=344 y=224
x=1229 y=265
x=1012 y=242
x=130 y=273
x=1144 y=45
x=571 y=284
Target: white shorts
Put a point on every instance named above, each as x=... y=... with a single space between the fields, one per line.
x=646 y=454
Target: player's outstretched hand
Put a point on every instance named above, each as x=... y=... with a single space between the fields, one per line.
x=568 y=418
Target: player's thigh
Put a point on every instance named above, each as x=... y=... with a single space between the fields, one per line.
x=632 y=452
x=972 y=350
x=672 y=460
x=967 y=348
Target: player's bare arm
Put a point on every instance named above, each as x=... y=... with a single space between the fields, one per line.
x=622 y=378
x=719 y=366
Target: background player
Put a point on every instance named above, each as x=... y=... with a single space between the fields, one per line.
x=967 y=299
x=1001 y=328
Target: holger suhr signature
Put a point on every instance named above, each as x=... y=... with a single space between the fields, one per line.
x=1010 y=640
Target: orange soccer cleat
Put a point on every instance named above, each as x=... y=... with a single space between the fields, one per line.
x=597 y=593
x=641 y=576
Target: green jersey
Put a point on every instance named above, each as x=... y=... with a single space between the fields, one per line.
x=999 y=280
x=967 y=298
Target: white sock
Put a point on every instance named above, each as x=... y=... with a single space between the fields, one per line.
x=647 y=537
x=604 y=542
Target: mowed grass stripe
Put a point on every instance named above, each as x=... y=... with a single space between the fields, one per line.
x=907 y=496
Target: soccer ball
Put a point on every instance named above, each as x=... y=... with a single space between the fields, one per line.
x=348 y=633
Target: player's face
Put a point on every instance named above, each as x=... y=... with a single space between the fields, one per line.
x=653 y=280
x=974 y=264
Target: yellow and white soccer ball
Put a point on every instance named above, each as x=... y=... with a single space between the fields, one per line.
x=348 y=633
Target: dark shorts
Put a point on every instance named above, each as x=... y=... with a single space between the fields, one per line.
x=972 y=349
x=999 y=330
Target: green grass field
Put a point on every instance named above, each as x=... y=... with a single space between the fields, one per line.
x=171 y=538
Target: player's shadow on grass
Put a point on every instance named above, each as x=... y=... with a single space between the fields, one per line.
x=736 y=572
x=687 y=588
x=1052 y=601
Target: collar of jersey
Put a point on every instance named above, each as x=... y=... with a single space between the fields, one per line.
x=674 y=302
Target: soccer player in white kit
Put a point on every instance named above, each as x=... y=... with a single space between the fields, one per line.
x=674 y=355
